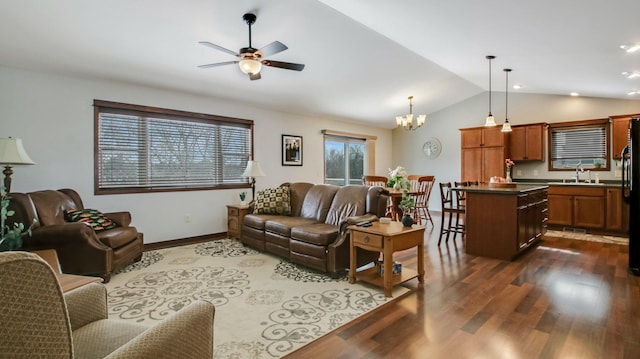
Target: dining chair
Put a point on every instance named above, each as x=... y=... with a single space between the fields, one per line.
x=449 y=202
x=422 y=186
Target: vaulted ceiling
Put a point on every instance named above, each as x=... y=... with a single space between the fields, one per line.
x=363 y=57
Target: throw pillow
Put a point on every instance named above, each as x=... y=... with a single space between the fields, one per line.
x=91 y=217
x=273 y=201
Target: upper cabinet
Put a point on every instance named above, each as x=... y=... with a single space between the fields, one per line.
x=482 y=137
x=527 y=142
x=619 y=134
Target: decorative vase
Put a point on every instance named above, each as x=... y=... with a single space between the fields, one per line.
x=407 y=221
x=508 y=179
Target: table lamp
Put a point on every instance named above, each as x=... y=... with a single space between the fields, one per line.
x=12 y=153
x=253 y=170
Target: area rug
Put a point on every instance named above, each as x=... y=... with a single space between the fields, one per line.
x=588 y=237
x=266 y=307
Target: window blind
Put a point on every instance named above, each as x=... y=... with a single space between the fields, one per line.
x=579 y=143
x=142 y=151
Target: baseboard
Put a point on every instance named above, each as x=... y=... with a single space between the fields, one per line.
x=184 y=241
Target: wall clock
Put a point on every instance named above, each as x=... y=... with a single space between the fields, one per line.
x=432 y=147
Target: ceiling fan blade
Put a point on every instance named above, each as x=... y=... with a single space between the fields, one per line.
x=217 y=64
x=255 y=76
x=218 y=47
x=283 y=65
x=273 y=48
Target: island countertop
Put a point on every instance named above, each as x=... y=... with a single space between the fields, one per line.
x=511 y=190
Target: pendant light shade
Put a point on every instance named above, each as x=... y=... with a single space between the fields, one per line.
x=506 y=127
x=490 y=121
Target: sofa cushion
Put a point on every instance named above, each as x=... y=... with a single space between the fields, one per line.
x=273 y=201
x=320 y=234
x=282 y=225
x=317 y=201
x=258 y=220
x=348 y=201
x=91 y=217
x=118 y=237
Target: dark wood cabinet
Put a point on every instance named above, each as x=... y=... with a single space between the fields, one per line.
x=527 y=142
x=483 y=153
x=532 y=217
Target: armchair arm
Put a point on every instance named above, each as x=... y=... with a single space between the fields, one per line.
x=122 y=219
x=86 y=304
x=185 y=334
x=69 y=240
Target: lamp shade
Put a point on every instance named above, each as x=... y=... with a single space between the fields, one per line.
x=12 y=152
x=253 y=170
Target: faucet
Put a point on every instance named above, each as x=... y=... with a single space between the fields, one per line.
x=579 y=169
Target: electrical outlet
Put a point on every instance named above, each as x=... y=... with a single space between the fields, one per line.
x=518 y=173
x=187 y=218
x=618 y=173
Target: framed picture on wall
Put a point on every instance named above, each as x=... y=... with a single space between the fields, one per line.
x=291 y=150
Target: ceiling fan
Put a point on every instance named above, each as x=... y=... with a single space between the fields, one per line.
x=251 y=59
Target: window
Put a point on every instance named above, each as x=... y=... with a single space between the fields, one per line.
x=344 y=160
x=579 y=144
x=145 y=149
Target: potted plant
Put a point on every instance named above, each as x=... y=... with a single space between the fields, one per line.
x=10 y=238
x=243 y=195
x=406 y=205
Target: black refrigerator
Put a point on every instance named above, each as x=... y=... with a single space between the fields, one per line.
x=631 y=192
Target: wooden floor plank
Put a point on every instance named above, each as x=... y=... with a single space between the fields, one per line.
x=563 y=299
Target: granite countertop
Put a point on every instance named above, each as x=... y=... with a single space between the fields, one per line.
x=558 y=182
x=518 y=188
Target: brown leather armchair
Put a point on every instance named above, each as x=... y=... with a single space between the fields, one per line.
x=80 y=249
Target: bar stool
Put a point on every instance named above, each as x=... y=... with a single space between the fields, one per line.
x=449 y=202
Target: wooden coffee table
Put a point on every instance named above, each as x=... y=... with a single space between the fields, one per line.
x=67 y=281
x=386 y=239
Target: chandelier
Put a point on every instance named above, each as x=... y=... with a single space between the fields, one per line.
x=406 y=122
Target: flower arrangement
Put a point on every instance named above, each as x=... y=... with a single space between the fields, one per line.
x=10 y=238
x=509 y=163
x=398 y=178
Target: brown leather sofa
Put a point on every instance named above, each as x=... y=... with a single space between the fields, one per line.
x=315 y=235
x=80 y=249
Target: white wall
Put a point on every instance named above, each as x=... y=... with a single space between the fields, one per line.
x=523 y=109
x=53 y=115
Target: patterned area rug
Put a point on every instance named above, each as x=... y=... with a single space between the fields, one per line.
x=588 y=237
x=266 y=307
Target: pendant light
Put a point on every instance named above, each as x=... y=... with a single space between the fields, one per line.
x=506 y=127
x=490 y=121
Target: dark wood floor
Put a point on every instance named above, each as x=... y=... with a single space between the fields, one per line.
x=563 y=299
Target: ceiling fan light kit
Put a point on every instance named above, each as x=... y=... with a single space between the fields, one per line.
x=490 y=121
x=251 y=60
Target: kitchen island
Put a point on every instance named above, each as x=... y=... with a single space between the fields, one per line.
x=501 y=222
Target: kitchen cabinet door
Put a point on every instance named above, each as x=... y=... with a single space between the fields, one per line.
x=492 y=163
x=619 y=135
x=471 y=164
x=560 y=210
x=527 y=142
x=588 y=212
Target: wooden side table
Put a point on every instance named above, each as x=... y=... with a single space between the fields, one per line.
x=235 y=216
x=386 y=239
x=67 y=281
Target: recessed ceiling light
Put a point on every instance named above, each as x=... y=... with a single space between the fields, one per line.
x=634 y=92
x=517 y=87
x=631 y=75
x=574 y=94
x=630 y=48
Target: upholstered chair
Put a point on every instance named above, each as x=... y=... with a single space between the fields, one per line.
x=39 y=321
x=81 y=249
